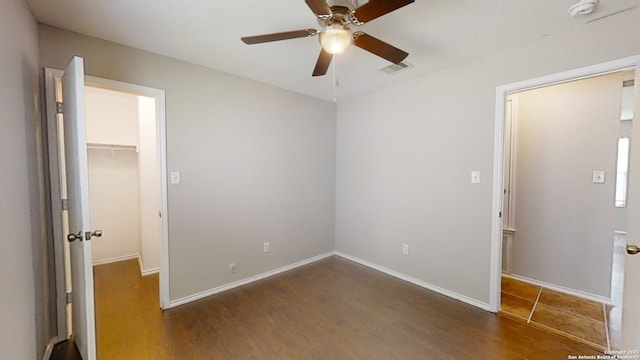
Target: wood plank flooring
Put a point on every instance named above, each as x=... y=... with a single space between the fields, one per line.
x=566 y=315
x=331 y=309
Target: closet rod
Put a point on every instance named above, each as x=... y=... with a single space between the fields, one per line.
x=112 y=147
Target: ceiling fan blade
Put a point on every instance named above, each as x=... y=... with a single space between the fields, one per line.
x=278 y=36
x=323 y=63
x=319 y=7
x=379 y=47
x=376 y=8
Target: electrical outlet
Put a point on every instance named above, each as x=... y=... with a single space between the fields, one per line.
x=232 y=268
x=598 y=177
x=266 y=247
x=175 y=177
x=405 y=249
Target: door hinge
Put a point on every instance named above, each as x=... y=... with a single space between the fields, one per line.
x=500 y=214
x=68 y=298
x=59 y=107
x=65 y=204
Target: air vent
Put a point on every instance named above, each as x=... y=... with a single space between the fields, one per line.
x=396 y=68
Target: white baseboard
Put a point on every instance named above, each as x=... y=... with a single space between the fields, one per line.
x=420 y=283
x=115 y=259
x=562 y=289
x=150 y=272
x=146 y=272
x=143 y=271
x=219 y=289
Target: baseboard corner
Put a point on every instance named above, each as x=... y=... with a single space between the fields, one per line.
x=254 y=278
x=440 y=290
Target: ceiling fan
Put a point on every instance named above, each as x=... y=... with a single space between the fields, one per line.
x=335 y=16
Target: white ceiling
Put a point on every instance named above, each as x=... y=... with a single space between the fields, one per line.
x=436 y=33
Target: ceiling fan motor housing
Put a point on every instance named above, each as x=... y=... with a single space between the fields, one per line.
x=339 y=15
x=349 y=4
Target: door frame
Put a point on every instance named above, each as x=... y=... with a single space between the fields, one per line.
x=50 y=77
x=628 y=63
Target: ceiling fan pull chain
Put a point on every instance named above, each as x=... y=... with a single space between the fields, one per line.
x=335 y=78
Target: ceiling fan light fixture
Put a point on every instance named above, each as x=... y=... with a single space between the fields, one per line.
x=335 y=38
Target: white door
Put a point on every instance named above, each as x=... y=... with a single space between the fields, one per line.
x=631 y=301
x=83 y=317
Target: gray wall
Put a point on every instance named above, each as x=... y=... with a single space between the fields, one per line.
x=257 y=163
x=564 y=222
x=25 y=325
x=405 y=154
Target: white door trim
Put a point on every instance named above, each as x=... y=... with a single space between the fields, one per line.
x=50 y=76
x=628 y=63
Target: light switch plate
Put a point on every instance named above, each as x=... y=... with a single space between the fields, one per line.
x=598 y=177
x=475 y=177
x=175 y=177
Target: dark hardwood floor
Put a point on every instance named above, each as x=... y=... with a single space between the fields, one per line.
x=331 y=309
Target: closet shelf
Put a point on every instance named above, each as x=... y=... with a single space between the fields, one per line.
x=112 y=147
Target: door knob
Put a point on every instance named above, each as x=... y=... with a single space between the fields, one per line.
x=73 y=237
x=633 y=249
x=97 y=233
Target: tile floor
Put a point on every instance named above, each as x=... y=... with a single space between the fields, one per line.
x=569 y=316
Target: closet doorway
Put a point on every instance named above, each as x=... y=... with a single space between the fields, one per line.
x=124 y=183
x=125 y=203
x=126 y=156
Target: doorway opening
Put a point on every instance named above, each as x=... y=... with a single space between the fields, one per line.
x=126 y=152
x=561 y=232
x=124 y=185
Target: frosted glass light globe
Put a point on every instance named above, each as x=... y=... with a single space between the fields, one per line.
x=335 y=38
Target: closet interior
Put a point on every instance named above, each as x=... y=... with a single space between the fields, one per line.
x=124 y=184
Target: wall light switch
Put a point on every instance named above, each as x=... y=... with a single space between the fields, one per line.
x=405 y=249
x=175 y=177
x=598 y=177
x=475 y=177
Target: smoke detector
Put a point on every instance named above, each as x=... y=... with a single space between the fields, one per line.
x=582 y=7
